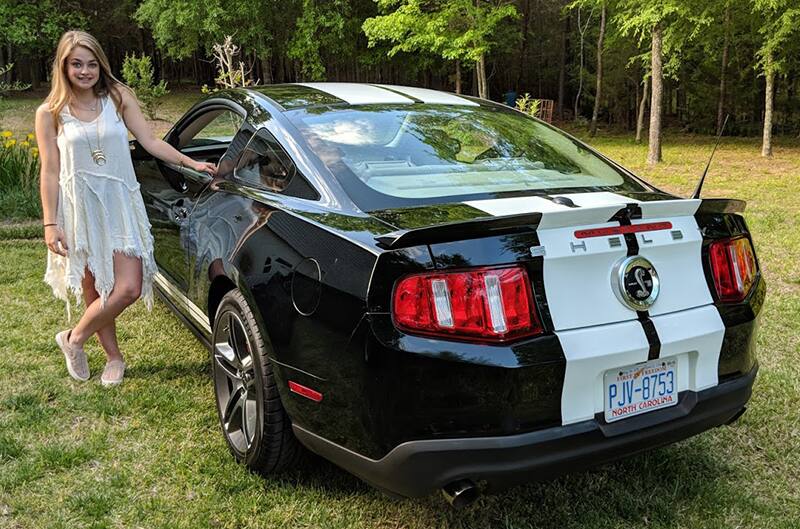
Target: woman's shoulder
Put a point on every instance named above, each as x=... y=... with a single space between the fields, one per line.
x=44 y=114
x=44 y=110
x=123 y=93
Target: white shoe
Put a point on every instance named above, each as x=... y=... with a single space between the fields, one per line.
x=77 y=363
x=113 y=373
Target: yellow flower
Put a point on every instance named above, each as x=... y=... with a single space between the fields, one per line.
x=24 y=144
x=34 y=152
x=6 y=134
x=30 y=136
x=10 y=143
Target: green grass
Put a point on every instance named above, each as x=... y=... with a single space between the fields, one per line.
x=150 y=454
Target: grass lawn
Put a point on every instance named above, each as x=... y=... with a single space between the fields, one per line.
x=150 y=454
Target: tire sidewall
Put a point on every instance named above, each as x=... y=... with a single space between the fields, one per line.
x=234 y=301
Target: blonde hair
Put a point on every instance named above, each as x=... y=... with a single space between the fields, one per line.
x=61 y=89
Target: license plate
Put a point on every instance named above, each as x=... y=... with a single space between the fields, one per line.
x=641 y=388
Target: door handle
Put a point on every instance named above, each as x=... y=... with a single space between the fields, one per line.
x=181 y=214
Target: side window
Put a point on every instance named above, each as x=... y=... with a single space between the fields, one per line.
x=265 y=164
x=214 y=127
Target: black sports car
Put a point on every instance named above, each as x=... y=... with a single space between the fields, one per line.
x=435 y=291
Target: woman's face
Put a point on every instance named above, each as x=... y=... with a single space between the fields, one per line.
x=83 y=70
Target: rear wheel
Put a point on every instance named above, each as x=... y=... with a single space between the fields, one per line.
x=255 y=425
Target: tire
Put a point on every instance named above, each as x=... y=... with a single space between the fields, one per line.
x=258 y=432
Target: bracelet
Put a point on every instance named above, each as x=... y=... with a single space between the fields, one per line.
x=51 y=224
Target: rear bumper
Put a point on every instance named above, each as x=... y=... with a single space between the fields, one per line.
x=417 y=468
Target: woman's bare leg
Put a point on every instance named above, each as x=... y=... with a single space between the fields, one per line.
x=127 y=288
x=107 y=336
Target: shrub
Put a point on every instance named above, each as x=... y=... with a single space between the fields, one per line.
x=19 y=177
x=138 y=74
x=16 y=86
x=528 y=105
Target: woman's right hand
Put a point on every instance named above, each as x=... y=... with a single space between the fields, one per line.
x=53 y=235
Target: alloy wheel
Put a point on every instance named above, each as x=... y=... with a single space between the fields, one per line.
x=234 y=378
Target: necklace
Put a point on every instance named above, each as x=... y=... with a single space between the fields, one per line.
x=98 y=156
x=91 y=107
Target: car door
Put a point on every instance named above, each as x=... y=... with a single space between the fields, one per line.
x=169 y=190
x=225 y=215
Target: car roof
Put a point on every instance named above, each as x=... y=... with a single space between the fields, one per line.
x=301 y=95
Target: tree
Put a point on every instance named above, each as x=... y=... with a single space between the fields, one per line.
x=657 y=81
x=642 y=107
x=599 y=89
x=724 y=68
x=457 y=30
x=320 y=26
x=780 y=22
x=32 y=29
x=670 y=25
x=582 y=27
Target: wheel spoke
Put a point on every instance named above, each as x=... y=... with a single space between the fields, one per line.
x=245 y=426
x=231 y=324
x=226 y=360
x=235 y=402
x=241 y=346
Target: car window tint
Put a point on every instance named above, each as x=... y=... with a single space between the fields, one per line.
x=210 y=128
x=265 y=164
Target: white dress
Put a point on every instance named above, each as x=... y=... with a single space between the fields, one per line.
x=100 y=208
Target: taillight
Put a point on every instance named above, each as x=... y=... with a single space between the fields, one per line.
x=733 y=266
x=491 y=304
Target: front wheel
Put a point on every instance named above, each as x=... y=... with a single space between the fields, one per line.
x=255 y=425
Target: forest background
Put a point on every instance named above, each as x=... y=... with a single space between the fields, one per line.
x=603 y=63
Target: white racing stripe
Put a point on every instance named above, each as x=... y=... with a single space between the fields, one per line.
x=589 y=353
x=697 y=333
x=359 y=94
x=693 y=337
x=678 y=263
x=597 y=332
x=426 y=95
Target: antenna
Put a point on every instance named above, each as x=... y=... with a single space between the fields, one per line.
x=696 y=193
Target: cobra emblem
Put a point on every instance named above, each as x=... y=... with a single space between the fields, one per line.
x=639 y=276
x=635 y=282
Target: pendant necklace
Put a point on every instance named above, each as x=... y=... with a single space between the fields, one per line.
x=98 y=156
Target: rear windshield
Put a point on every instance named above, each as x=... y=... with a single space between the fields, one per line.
x=425 y=153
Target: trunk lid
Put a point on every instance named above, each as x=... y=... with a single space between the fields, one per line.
x=578 y=267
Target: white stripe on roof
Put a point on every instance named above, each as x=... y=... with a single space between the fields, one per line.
x=359 y=94
x=426 y=95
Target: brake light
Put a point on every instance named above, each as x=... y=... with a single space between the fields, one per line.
x=733 y=266
x=491 y=304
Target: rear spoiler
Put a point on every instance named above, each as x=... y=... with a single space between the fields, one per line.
x=721 y=205
x=468 y=229
x=525 y=222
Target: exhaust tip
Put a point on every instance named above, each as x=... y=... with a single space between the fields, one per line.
x=461 y=493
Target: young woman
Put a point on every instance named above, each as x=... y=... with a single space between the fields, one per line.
x=96 y=228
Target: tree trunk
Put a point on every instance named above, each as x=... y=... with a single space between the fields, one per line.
x=723 y=70
x=562 y=70
x=266 y=70
x=458 y=76
x=582 y=33
x=654 y=150
x=34 y=72
x=526 y=12
x=480 y=68
x=642 y=109
x=598 y=91
x=766 y=144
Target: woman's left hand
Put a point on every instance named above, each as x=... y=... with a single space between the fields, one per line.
x=204 y=167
